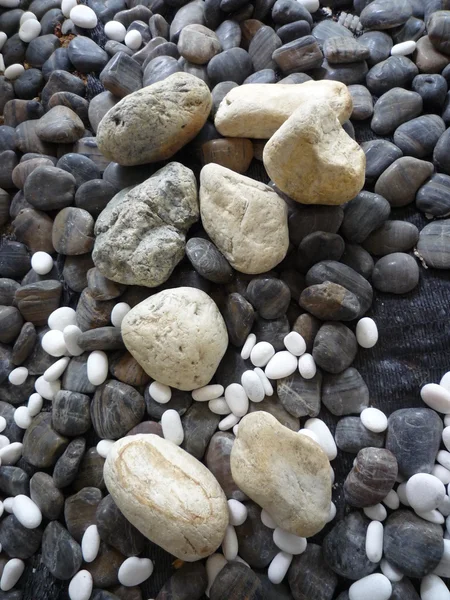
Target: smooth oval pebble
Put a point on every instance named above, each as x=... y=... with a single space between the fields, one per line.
x=404 y=48
x=366 y=332
x=324 y=435
x=27 y=512
x=208 y=392
x=70 y=336
x=396 y=273
x=114 y=30
x=54 y=372
x=214 y=564
x=230 y=543
x=12 y=572
x=391 y=572
x=133 y=39
x=29 y=30
x=295 y=343
x=41 y=263
x=253 y=386
x=61 y=318
x=374 y=420
x=374 y=541
x=261 y=353
x=83 y=16
x=432 y=587
x=237 y=400
x=288 y=542
x=90 y=543
x=18 y=376
x=279 y=567
x=307 y=366
x=433 y=245
x=134 y=571
x=268 y=389
x=11 y=453
x=172 y=427
x=282 y=364
x=238 y=512
x=81 y=585
x=97 y=367
x=104 y=447
x=248 y=346
x=377 y=512
x=424 y=492
x=229 y=422
x=14 y=71
x=436 y=397
x=119 y=312
x=35 y=402
x=219 y=406
x=22 y=417
x=160 y=392
x=373 y=587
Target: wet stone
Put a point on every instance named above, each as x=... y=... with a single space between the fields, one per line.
x=273 y=331
x=330 y=302
x=419 y=136
x=299 y=396
x=46 y=495
x=42 y=445
x=104 y=569
x=310 y=577
x=305 y=220
x=80 y=509
x=335 y=347
x=433 y=198
x=364 y=214
x=393 y=108
x=66 y=468
x=351 y=436
x=208 y=261
x=344 y=50
x=433 y=244
x=14 y=481
x=115 y=530
x=199 y=425
x=411 y=544
x=217 y=460
x=60 y=552
x=115 y=409
x=371 y=478
x=256 y=545
x=345 y=393
x=188 y=582
x=318 y=246
x=396 y=71
x=401 y=180
x=18 y=541
x=179 y=401
x=231 y=65
x=362 y=102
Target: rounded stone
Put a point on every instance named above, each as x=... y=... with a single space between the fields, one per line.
x=73 y=231
x=60 y=552
x=394 y=108
x=396 y=273
x=433 y=244
x=115 y=409
x=115 y=530
x=419 y=136
x=60 y=125
x=335 y=347
x=371 y=478
x=49 y=188
x=269 y=296
x=400 y=182
x=392 y=236
x=208 y=261
x=198 y=44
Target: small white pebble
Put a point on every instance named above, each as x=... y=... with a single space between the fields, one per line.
x=66 y=7
x=253 y=386
x=119 y=312
x=307 y=366
x=214 y=564
x=53 y=343
x=282 y=364
x=248 y=346
x=97 y=367
x=446 y=436
x=443 y=458
x=27 y=16
x=325 y=436
x=433 y=588
x=436 y=397
x=310 y=434
x=332 y=513
x=90 y=543
x=237 y=512
x=279 y=567
x=35 y=402
x=445 y=382
x=235 y=429
x=22 y=417
x=392 y=500
x=374 y=541
x=3 y=38
x=26 y=512
x=372 y=587
x=12 y=572
x=29 y=30
x=443 y=568
x=14 y=71
x=441 y=473
x=41 y=263
x=4 y=441
x=366 y=332
x=70 y=335
x=47 y=389
x=295 y=343
x=172 y=427
x=237 y=400
x=228 y=422
x=433 y=516
x=444 y=507
x=391 y=572
x=160 y=392
x=55 y=371
x=374 y=420
x=133 y=39
x=2 y=64
x=230 y=544
x=8 y=504
x=104 y=447
x=2 y=424
x=18 y=376
x=288 y=542
x=208 y=392
x=404 y=48
x=11 y=453
x=401 y=493
x=83 y=16
x=267 y=519
x=134 y=571
x=219 y=406
x=62 y=317
x=261 y=353
x=115 y=31
x=268 y=389
x=377 y=512
x=81 y=585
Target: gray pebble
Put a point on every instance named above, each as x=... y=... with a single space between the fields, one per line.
x=60 y=552
x=419 y=136
x=364 y=214
x=396 y=273
x=299 y=396
x=335 y=347
x=396 y=71
x=433 y=198
x=46 y=495
x=392 y=236
x=66 y=468
x=401 y=180
x=345 y=393
x=393 y=108
x=433 y=244
x=351 y=436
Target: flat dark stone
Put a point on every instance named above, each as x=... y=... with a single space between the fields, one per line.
x=58 y=61
x=49 y=188
x=351 y=436
x=433 y=198
x=231 y=65
x=438 y=27
x=37 y=301
x=46 y=495
x=288 y=11
x=80 y=509
x=81 y=167
x=14 y=481
x=122 y=75
x=42 y=445
x=116 y=530
x=362 y=102
x=318 y=246
x=304 y=220
x=292 y=31
x=235 y=581
x=256 y=545
x=299 y=396
x=350 y=74
x=15 y=261
x=385 y=14
x=364 y=214
x=433 y=90
x=41 y=48
x=239 y=315
x=115 y=409
x=179 y=401
x=92 y=313
x=90 y=473
x=217 y=460
x=404 y=590
x=18 y=541
x=335 y=347
x=396 y=71
x=67 y=466
x=273 y=331
x=401 y=180
x=299 y=55
x=330 y=302
x=262 y=47
x=392 y=236
x=101 y=338
x=269 y=296
x=208 y=261
x=188 y=582
x=310 y=577
x=29 y=84
x=441 y=153
x=60 y=552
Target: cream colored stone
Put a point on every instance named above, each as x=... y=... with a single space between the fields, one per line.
x=287 y=474
x=171 y=497
x=313 y=160
x=245 y=219
x=178 y=336
x=257 y=110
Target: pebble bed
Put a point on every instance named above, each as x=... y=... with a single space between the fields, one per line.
x=188 y=256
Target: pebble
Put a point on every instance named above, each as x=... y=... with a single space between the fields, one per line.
x=403 y=48
x=90 y=543
x=29 y=30
x=345 y=393
x=104 y=446
x=207 y=392
x=300 y=396
x=432 y=244
x=334 y=348
x=18 y=375
x=219 y=406
x=60 y=553
x=375 y=587
x=26 y=512
x=424 y=492
x=441 y=473
x=307 y=366
x=375 y=513
x=11 y=574
x=238 y=512
x=374 y=420
x=46 y=495
x=324 y=436
x=160 y=393
x=282 y=364
x=268 y=389
x=433 y=587
x=42 y=263
x=261 y=354
x=366 y=332
x=248 y=346
x=14 y=71
x=279 y=567
x=80 y=587
x=97 y=367
x=396 y=273
x=115 y=409
x=436 y=397
x=22 y=417
x=374 y=542
x=372 y=477
x=289 y=543
x=172 y=426
x=83 y=16
x=253 y=387
x=10 y=455
x=391 y=572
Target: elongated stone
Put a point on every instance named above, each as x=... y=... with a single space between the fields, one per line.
x=299 y=396
x=318 y=246
x=433 y=244
x=345 y=393
x=42 y=445
x=382 y=14
x=433 y=198
x=238 y=315
x=419 y=136
x=335 y=347
x=372 y=477
x=217 y=460
x=75 y=376
x=392 y=236
x=46 y=495
x=256 y=545
x=18 y=541
x=401 y=180
x=310 y=577
x=199 y=425
x=299 y=55
x=208 y=261
x=122 y=75
x=379 y=155
x=80 y=509
x=364 y=214
x=60 y=552
x=262 y=46
x=362 y=102
x=67 y=465
x=394 y=108
x=351 y=436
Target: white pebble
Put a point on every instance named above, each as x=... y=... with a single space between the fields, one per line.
x=436 y=397
x=55 y=371
x=366 y=332
x=288 y=542
x=230 y=543
x=311 y=6
x=237 y=511
x=35 y=402
x=12 y=572
x=391 y=572
x=268 y=389
x=219 y=406
x=41 y=263
x=447 y=524
x=115 y=31
x=279 y=567
x=401 y=493
x=53 y=343
x=326 y=439
x=2 y=64
x=253 y=386
x=133 y=39
x=248 y=346
x=261 y=353
x=62 y=317
x=8 y=504
x=444 y=506
x=441 y=473
x=332 y=512
x=104 y=447
x=295 y=343
x=214 y=564
x=374 y=420
x=97 y=367
x=443 y=568
x=70 y=334
x=445 y=382
x=433 y=588
x=83 y=16
x=4 y=441
x=134 y=571
x=14 y=71
x=27 y=16
x=237 y=400
x=160 y=392
x=377 y=512
x=18 y=376
x=119 y=312
x=29 y=30
x=90 y=543
x=80 y=587
x=208 y=392
x=307 y=366
x=404 y=48
x=446 y=437
x=282 y=364
x=392 y=500
x=267 y=519
x=3 y=38
x=11 y=453
x=2 y=424
x=310 y=434
x=172 y=427
x=47 y=389
x=27 y=512
x=443 y=458
x=228 y=422
x=374 y=541
x=372 y=587
x=22 y=417
x=66 y=7
x=433 y=516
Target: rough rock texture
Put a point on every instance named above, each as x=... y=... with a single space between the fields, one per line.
x=178 y=336
x=285 y=473
x=141 y=233
x=245 y=219
x=168 y=495
x=257 y=110
x=313 y=160
x=153 y=123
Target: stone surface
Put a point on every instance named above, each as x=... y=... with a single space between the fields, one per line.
x=80 y=509
x=335 y=347
x=236 y=580
x=351 y=436
x=433 y=244
x=318 y=246
x=60 y=125
x=382 y=14
x=46 y=495
x=310 y=577
x=371 y=478
x=395 y=71
x=345 y=393
x=217 y=460
x=49 y=188
x=115 y=409
x=60 y=552
x=392 y=236
x=238 y=315
x=199 y=425
x=419 y=136
x=42 y=445
x=208 y=261
x=299 y=396
x=256 y=545
x=18 y=541
x=365 y=213
x=115 y=530
x=330 y=302
x=396 y=273
x=400 y=182
x=433 y=198
x=67 y=465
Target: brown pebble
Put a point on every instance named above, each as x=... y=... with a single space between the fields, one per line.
x=104 y=569
x=372 y=477
x=34 y=228
x=330 y=302
x=126 y=369
x=26 y=167
x=91 y=313
x=307 y=326
x=37 y=301
x=198 y=44
x=103 y=288
x=24 y=344
x=80 y=509
x=75 y=271
x=233 y=153
x=11 y=322
x=147 y=427
x=73 y=231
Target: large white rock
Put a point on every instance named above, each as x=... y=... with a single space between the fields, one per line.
x=257 y=110
x=178 y=336
x=245 y=219
x=166 y=493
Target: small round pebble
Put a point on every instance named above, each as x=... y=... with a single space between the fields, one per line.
x=54 y=372
x=66 y=7
x=391 y=572
x=288 y=542
x=377 y=512
x=261 y=353
x=61 y=318
x=253 y=386
x=26 y=512
x=374 y=541
x=14 y=71
x=424 y=492
x=366 y=332
x=392 y=500
x=436 y=397
x=307 y=366
x=114 y=30
x=22 y=417
x=18 y=376
x=29 y=30
x=237 y=512
x=295 y=343
x=81 y=585
x=268 y=389
x=374 y=420
x=119 y=312
x=159 y=392
x=282 y=364
x=41 y=263
x=325 y=437
x=35 y=403
x=375 y=587
x=104 y=447
x=279 y=567
x=90 y=543
x=237 y=400
x=70 y=336
x=248 y=346
x=133 y=39
x=207 y=393
x=83 y=16
x=219 y=406
x=47 y=389
x=172 y=427
x=97 y=367
x=12 y=572
x=230 y=543
x=53 y=343
x=229 y=422
x=134 y=571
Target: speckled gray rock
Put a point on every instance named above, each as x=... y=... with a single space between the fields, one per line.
x=401 y=180
x=396 y=273
x=351 y=436
x=433 y=245
x=299 y=396
x=60 y=552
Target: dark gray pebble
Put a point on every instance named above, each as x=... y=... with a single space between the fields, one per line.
x=396 y=273
x=310 y=577
x=305 y=220
x=70 y=413
x=60 y=552
x=61 y=81
x=364 y=214
x=102 y=288
x=299 y=396
x=199 y=425
x=7 y=138
x=92 y=313
x=404 y=590
x=14 y=481
x=41 y=48
x=384 y=14
x=269 y=296
x=81 y=167
x=330 y=302
x=316 y=247
x=372 y=477
x=80 y=509
x=122 y=75
x=345 y=393
x=328 y=29
x=288 y=11
x=190 y=582
x=229 y=34
x=239 y=315
x=433 y=198
x=256 y=545
x=299 y=55
x=51 y=19
x=362 y=102
x=116 y=530
x=392 y=236
x=14 y=50
x=39 y=361
x=335 y=347
x=208 y=261
x=235 y=581
x=379 y=45
x=75 y=271
x=272 y=331
x=189 y=14
x=11 y=322
x=396 y=71
x=29 y=84
x=160 y=68
x=350 y=74
x=401 y=180
x=351 y=436
x=432 y=89
x=49 y=188
x=217 y=459
x=438 y=28
x=413 y=29
x=101 y=338
x=344 y=50
x=441 y=154
x=90 y=473
x=94 y=195
x=393 y=108
x=115 y=409
x=136 y=13
x=293 y=31
x=419 y=136
x=58 y=61
x=18 y=541
x=46 y=495
x=42 y=445
x=433 y=244
x=8 y=162
x=66 y=468
x=231 y=65
x=263 y=45
x=179 y=401
x=18 y=111
x=37 y=301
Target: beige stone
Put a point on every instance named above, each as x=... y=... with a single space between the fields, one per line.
x=171 y=497
x=245 y=219
x=257 y=110
x=153 y=123
x=286 y=473
x=313 y=160
x=178 y=336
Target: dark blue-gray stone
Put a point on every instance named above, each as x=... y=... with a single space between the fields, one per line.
x=288 y=11
x=345 y=393
x=231 y=65
x=372 y=477
x=14 y=481
x=413 y=29
x=364 y=214
x=208 y=261
x=419 y=136
x=379 y=155
x=310 y=577
x=396 y=71
x=58 y=61
x=394 y=108
x=299 y=396
x=433 y=90
x=199 y=425
x=60 y=552
x=434 y=244
x=433 y=198
x=81 y=167
x=392 y=236
x=86 y=55
x=379 y=45
x=256 y=545
x=441 y=154
x=358 y=259
x=335 y=346
x=229 y=34
x=239 y=315
x=404 y=590
x=385 y=14
x=66 y=467
x=29 y=84
x=351 y=436
x=18 y=541
x=293 y=31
